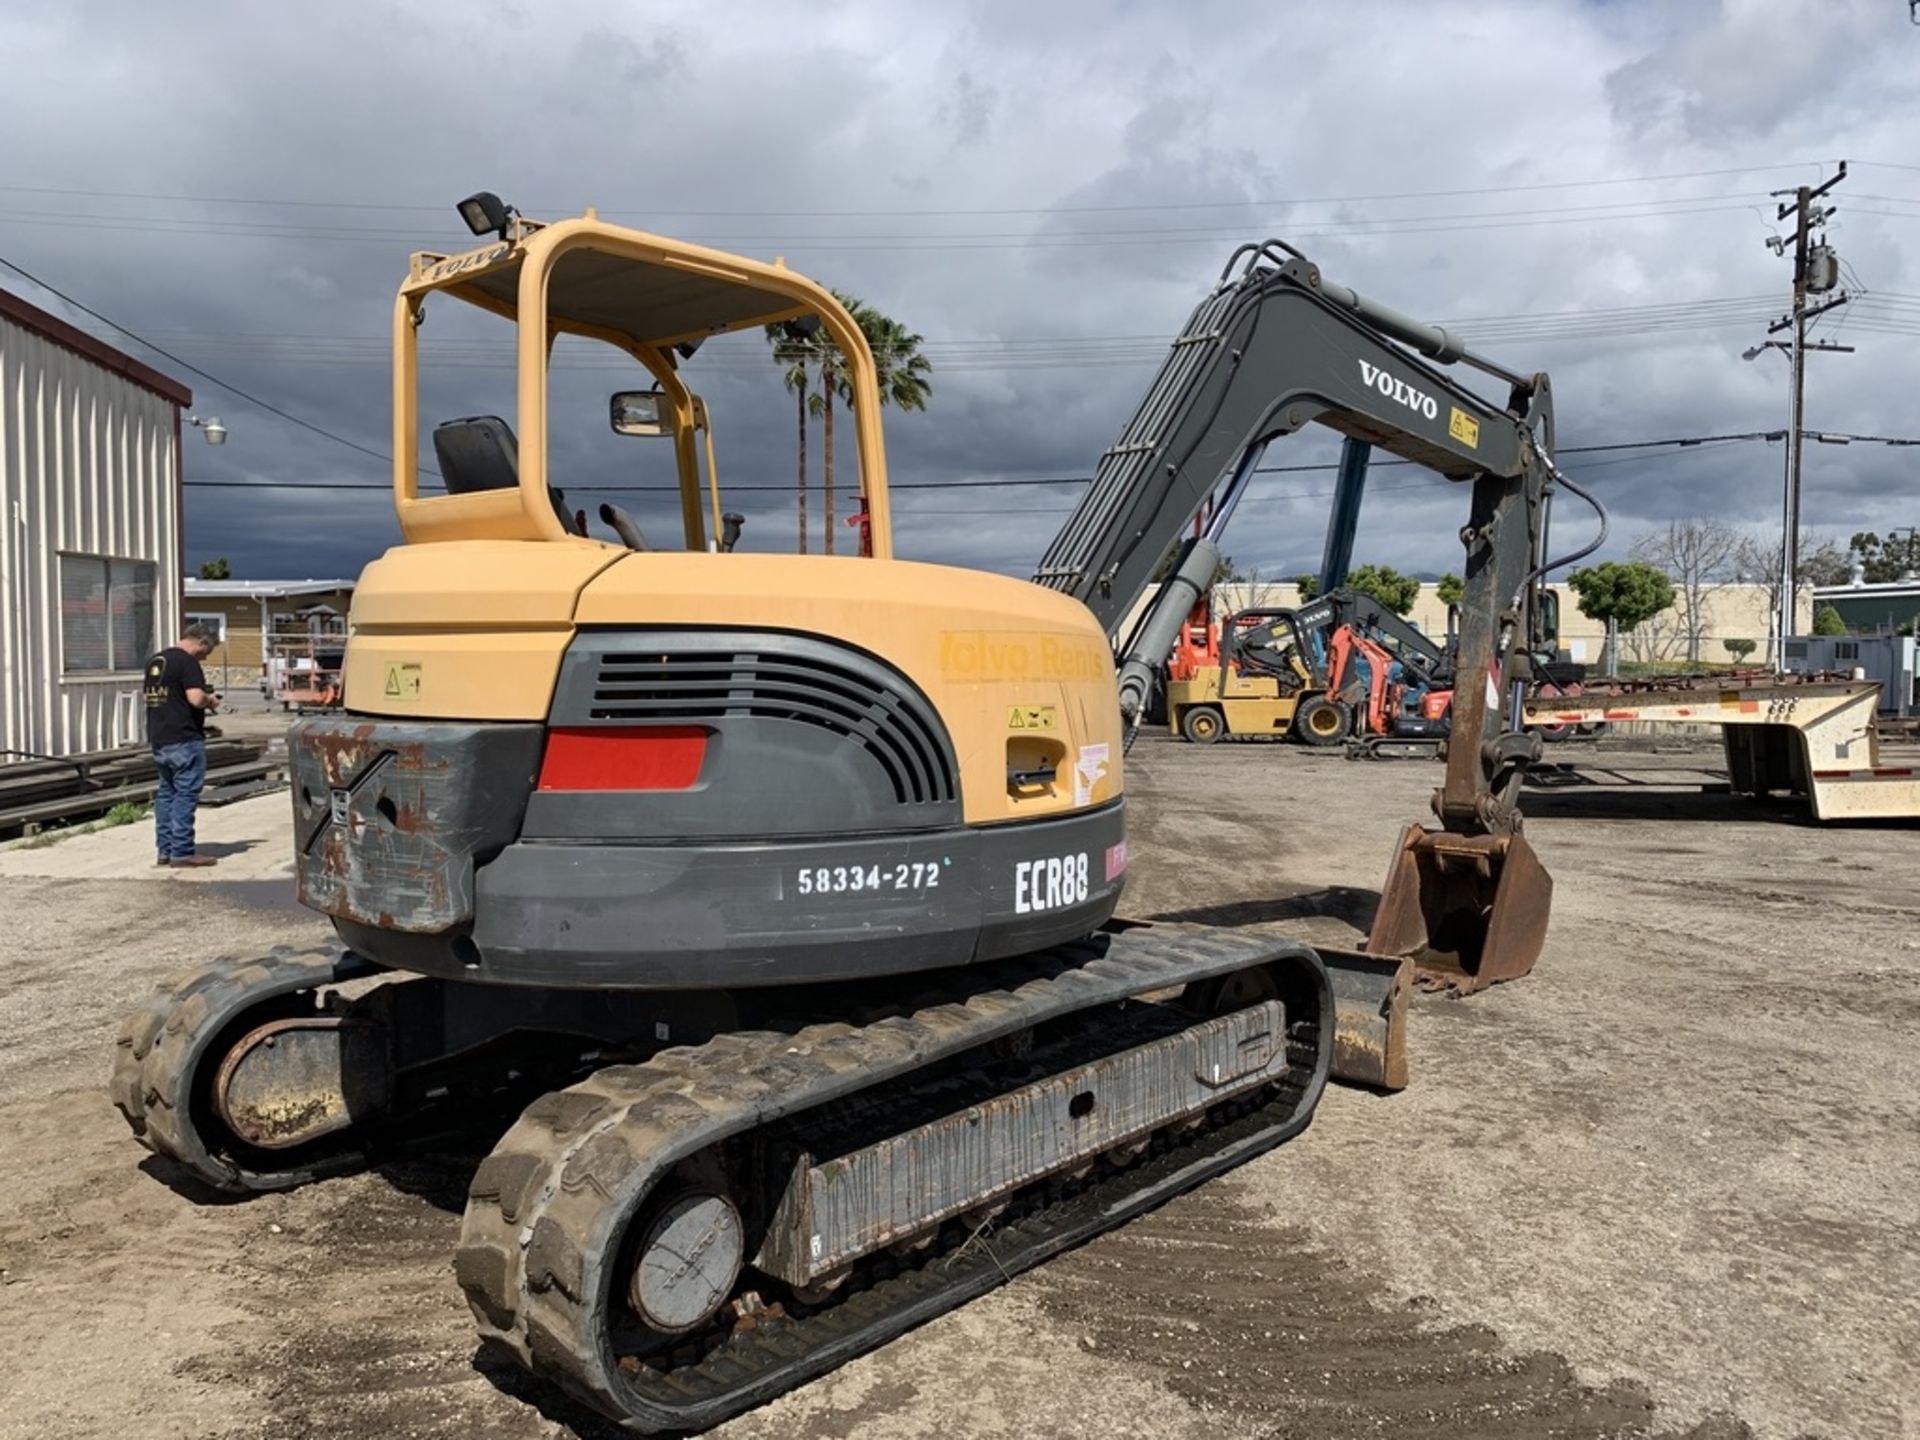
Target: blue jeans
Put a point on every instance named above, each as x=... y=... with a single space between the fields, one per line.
x=183 y=770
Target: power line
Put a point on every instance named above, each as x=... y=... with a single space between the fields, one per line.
x=1680 y=442
x=211 y=379
x=1156 y=341
x=1158 y=207
x=1653 y=206
x=1054 y=240
x=992 y=354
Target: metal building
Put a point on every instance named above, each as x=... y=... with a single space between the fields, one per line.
x=90 y=540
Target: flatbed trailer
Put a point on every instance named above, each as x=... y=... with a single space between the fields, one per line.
x=1816 y=736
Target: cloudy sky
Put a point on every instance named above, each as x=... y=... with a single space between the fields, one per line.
x=1043 y=191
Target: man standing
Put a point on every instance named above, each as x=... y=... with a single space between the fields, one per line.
x=178 y=703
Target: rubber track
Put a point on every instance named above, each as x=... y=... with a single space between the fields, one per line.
x=159 y=1049
x=547 y=1208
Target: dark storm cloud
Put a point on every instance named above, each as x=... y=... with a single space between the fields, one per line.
x=987 y=172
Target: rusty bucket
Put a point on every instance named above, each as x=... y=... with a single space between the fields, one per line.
x=1468 y=910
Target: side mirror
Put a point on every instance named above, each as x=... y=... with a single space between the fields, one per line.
x=640 y=412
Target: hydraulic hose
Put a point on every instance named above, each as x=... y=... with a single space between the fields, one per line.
x=1585 y=550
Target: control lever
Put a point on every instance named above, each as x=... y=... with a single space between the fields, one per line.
x=621 y=523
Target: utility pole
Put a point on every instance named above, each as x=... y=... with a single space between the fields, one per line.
x=1816 y=271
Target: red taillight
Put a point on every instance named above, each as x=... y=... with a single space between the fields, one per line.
x=624 y=757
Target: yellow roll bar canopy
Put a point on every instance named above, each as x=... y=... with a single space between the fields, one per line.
x=644 y=295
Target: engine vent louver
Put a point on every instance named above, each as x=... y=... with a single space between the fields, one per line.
x=893 y=723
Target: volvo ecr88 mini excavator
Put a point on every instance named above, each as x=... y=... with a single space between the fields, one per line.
x=791 y=879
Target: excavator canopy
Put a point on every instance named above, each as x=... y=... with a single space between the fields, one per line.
x=671 y=297
x=654 y=298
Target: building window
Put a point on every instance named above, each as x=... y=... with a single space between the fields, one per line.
x=214 y=620
x=1846 y=650
x=106 y=614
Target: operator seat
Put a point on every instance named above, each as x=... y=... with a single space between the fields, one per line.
x=479 y=452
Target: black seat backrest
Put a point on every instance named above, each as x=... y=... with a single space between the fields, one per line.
x=477 y=453
x=480 y=453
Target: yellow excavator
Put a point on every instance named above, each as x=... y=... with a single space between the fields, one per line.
x=784 y=887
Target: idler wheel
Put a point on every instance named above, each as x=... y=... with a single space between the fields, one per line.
x=689 y=1258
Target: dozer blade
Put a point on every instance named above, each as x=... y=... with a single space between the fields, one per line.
x=1468 y=910
x=1369 y=1017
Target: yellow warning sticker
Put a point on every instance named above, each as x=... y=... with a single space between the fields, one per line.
x=1463 y=427
x=403 y=681
x=1030 y=717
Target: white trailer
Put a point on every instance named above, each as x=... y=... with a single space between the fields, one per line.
x=1813 y=736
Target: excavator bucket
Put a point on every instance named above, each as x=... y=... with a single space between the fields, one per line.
x=1369 y=1017
x=1468 y=910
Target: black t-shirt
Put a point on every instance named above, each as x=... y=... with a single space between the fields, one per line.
x=170 y=719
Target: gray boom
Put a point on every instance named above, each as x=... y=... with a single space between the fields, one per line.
x=1272 y=349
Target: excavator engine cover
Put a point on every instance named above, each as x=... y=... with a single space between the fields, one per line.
x=1468 y=910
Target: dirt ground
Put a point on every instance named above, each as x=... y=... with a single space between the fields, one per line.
x=1668 y=1186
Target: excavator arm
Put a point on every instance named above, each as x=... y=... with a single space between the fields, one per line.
x=1275 y=347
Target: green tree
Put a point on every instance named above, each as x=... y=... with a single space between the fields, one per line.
x=1623 y=596
x=1307 y=585
x=1452 y=589
x=1827 y=621
x=216 y=569
x=1740 y=649
x=1387 y=585
x=1889 y=559
x=1824 y=563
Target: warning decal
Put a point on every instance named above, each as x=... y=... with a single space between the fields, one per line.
x=403 y=681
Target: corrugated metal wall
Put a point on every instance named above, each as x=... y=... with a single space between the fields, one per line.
x=87 y=467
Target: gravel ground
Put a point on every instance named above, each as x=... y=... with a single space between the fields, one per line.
x=1669 y=1185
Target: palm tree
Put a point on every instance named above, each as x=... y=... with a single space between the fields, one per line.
x=832 y=382
x=795 y=352
x=901 y=369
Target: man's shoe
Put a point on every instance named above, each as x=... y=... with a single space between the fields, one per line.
x=192 y=862
x=162 y=862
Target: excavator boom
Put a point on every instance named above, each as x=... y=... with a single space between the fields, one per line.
x=1277 y=346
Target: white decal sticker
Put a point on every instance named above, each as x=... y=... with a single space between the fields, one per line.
x=914 y=875
x=1049 y=884
x=1088 y=771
